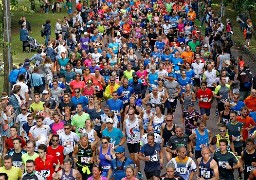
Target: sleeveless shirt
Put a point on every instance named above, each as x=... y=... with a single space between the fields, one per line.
x=205 y=170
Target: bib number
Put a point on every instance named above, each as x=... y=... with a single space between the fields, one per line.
x=45 y=173
x=182 y=170
x=85 y=159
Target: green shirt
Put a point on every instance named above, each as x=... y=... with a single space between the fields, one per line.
x=169 y=7
x=26 y=157
x=193 y=45
x=128 y=74
x=101 y=28
x=79 y=121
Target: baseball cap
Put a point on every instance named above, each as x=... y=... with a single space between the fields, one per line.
x=120 y=149
x=45 y=92
x=26 y=64
x=191 y=104
x=109 y=120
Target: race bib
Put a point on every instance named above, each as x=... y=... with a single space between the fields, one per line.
x=63 y=67
x=45 y=173
x=206 y=174
x=105 y=167
x=205 y=99
x=223 y=164
x=17 y=163
x=154 y=158
x=85 y=159
x=60 y=131
x=249 y=168
x=171 y=100
x=182 y=170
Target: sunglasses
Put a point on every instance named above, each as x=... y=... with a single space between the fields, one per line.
x=66 y=128
x=168 y=120
x=222 y=130
x=54 y=140
x=23 y=109
x=130 y=114
x=77 y=91
x=227 y=106
x=110 y=116
x=104 y=142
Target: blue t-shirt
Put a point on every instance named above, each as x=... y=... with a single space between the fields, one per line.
x=81 y=100
x=190 y=74
x=154 y=159
x=166 y=57
x=115 y=135
x=175 y=62
x=114 y=46
x=238 y=107
x=183 y=82
x=159 y=45
x=118 y=170
x=152 y=78
x=115 y=105
x=127 y=93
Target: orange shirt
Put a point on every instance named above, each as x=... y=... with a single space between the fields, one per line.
x=250 y=103
x=192 y=15
x=187 y=56
x=248 y=121
x=127 y=28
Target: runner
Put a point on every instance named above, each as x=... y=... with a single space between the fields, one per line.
x=31 y=172
x=207 y=167
x=152 y=154
x=226 y=160
x=183 y=164
x=248 y=158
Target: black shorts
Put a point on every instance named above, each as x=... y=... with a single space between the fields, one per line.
x=198 y=154
x=205 y=111
x=239 y=150
x=155 y=173
x=133 y=148
x=197 y=82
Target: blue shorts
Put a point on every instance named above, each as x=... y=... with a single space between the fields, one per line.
x=205 y=111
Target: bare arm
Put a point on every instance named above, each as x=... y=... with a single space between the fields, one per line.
x=214 y=166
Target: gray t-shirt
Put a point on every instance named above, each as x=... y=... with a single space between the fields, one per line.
x=56 y=92
x=172 y=88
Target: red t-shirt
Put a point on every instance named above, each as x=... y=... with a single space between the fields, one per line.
x=46 y=167
x=56 y=153
x=9 y=143
x=206 y=95
x=248 y=121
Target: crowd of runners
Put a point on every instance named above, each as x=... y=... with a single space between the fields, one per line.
x=98 y=100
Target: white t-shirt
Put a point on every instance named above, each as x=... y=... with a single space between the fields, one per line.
x=23 y=89
x=21 y=119
x=43 y=132
x=144 y=139
x=68 y=141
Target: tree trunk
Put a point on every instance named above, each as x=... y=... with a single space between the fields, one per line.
x=7 y=57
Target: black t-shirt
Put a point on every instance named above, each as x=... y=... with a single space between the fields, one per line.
x=62 y=105
x=176 y=141
x=152 y=36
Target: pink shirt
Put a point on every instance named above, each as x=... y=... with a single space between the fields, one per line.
x=102 y=178
x=57 y=128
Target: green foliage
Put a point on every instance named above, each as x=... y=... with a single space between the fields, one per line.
x=242 y=5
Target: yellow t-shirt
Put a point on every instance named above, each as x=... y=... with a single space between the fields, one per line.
x=37 y=106
x=13 y=174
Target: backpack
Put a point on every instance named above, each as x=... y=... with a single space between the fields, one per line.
x=14 y=76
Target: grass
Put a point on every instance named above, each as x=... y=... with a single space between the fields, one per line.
x=238 y=34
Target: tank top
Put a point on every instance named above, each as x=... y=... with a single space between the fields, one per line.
x=219 y=138
x=133 y=107
x=205 y=170
x=84 y=154
x=168 y=133
x=187 y=100
x=155 y=101
x=132 y=131
x=90 y=134
x=248 y=159
x=104 y=163
x=201 y=140
x=157 y=123
x=67 y=177
x=225 y=118
x=146 y=119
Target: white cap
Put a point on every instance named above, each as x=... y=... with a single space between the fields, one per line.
x=45 y=92
x=109 y=120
